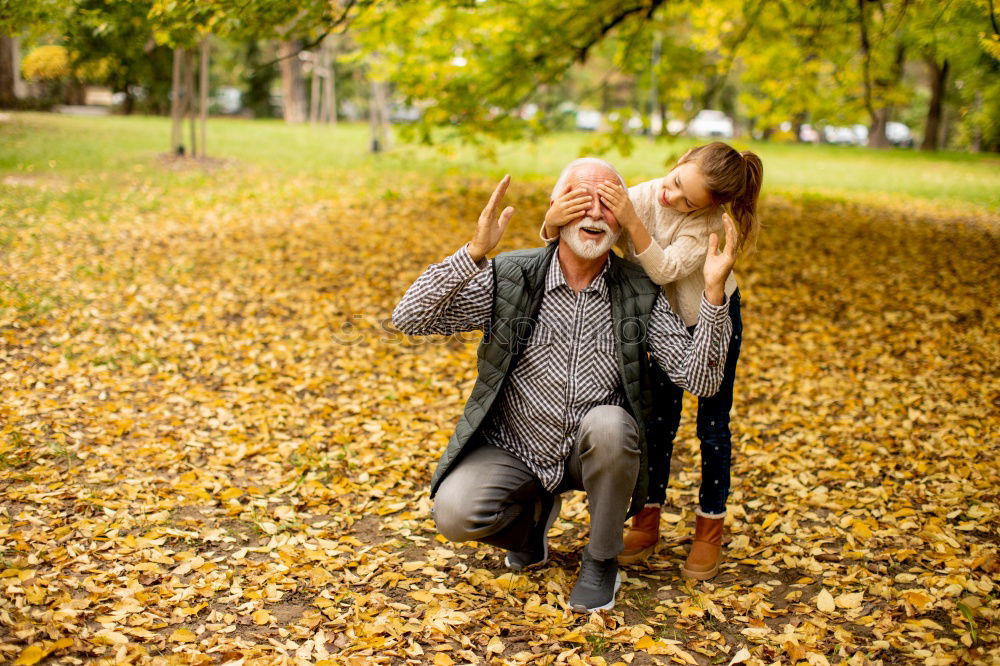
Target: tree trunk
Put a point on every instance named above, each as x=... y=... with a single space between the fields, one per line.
x=203 y=90
x=189 y=105
x=8 y=71
x=293 y=86
x=76 y=93
x=798 y=120
x=378 y=114
x=176 y=140
x=877 y=117
x=128 y=106
x=876 y=130
x=329 y=84
x=976 y=140
x=258 y=81
x=947 y=126
x=880 y=115
x=315 y=81
x=932 y=129
x=654 y=93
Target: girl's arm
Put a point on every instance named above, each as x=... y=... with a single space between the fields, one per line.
x=684 y=256
x=663 y=265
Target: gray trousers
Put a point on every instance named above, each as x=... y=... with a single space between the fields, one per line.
x=491 y=496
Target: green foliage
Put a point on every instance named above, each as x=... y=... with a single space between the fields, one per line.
x=801 y=63
x=991 y=45
x=106 y=42
x=485 y=71
x=472 y=66
x=17 y=16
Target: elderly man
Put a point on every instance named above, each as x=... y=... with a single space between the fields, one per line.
x=562 y=393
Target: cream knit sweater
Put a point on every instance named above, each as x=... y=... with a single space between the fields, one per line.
x=675 y=257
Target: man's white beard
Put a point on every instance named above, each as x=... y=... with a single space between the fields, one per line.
x=588 y=249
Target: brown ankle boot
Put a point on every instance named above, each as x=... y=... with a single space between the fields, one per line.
x=706 y=552
x=641 y=538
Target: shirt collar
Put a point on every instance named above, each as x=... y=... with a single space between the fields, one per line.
x=554 y=278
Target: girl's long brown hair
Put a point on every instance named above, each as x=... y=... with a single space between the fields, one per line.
x=732 y=177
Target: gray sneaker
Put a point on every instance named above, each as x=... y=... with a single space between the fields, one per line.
x=539 y=553
x=597 y=585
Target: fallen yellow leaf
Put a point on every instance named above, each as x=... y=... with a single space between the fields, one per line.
x=643 y=643
x=850 y=600
x=824 y=601
x=108 y=637
x=861 y=530
x=183 y=636
x=230 y=493
x=31 y=655
x=918 y=599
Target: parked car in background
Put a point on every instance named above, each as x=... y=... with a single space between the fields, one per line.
x=855 y=135
x=403 y=114
x=587 y=119
x=710 y=123
x=899 y=134
x=807 y=133
x=227 y=100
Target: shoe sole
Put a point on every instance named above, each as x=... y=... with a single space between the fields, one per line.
x=553 y=514
x=636 y=558
x=607 y=606
x=700 y=575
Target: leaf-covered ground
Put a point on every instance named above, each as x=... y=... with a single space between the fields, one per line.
x=214 y=449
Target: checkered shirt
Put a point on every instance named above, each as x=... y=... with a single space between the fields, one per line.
x=569 y=365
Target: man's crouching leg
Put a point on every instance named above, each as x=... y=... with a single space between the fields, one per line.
x=605 y=463
x=491 y=497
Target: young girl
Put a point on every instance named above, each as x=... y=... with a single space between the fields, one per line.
x=668 y=221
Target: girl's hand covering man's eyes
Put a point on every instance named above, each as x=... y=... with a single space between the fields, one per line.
x=569 y=206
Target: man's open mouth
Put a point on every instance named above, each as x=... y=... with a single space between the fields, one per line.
x=592 y=232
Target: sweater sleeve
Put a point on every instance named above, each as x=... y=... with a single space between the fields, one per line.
x=686 y=252
x=678 y=260
x=541 y=234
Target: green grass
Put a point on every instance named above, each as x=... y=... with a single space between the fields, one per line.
x=34 y=146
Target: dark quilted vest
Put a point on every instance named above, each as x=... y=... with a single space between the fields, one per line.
x=519 y=284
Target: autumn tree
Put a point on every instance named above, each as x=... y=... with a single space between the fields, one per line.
x=487 y=71
x=953 y=40
x=114 y=41
x=472 y=66
x=15 y=18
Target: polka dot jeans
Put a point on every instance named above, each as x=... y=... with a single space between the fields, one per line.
x=712 y=428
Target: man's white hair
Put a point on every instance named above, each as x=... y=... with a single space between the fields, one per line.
x=576 y=164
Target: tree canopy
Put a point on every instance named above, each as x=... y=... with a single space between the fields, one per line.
x=484 y=70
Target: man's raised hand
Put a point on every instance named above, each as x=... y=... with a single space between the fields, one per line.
x=719 y=264
x=490 y=228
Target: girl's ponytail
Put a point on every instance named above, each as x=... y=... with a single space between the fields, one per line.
x=744 y=206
